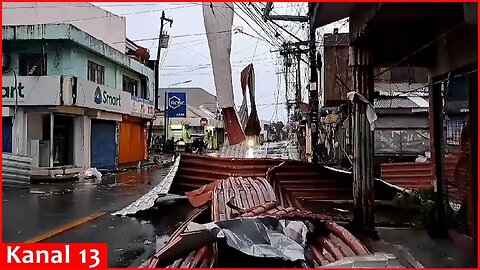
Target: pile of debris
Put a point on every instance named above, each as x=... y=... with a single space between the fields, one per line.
x=240 y=223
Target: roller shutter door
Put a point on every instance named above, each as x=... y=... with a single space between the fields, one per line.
x=131 y=142
x=7 y=134
x=103 y=146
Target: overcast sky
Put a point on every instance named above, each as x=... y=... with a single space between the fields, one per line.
x=187 y=57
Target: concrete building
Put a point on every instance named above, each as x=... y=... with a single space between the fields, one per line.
x=401 y=104
x=71 y=101
x=203 y=117
x=95 y=21
x=443 y=38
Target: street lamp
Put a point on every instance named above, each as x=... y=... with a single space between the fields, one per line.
x=165 y=107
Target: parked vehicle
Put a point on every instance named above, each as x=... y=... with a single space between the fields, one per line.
x=180 y=146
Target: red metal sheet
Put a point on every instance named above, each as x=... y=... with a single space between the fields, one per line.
x=272 y=209
x=233 y=188
x=293 y=181
x=232 y=126
x=409 y=175
x=255 y=197
x=201 y=196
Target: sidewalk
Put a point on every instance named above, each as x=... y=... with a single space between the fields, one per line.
x=161 y=160
x=412 y=245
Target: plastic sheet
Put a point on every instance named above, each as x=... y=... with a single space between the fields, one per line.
x=262 y=237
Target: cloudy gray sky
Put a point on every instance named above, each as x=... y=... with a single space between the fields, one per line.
x=187 y=57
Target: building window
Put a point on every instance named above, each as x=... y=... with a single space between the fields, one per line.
x=144 y=88
x=32 y=64
x=130 y=85
x=96 y=73
x=454 y=127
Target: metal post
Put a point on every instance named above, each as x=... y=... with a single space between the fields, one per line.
x=52 y=149
x=363 y=193
x=157 y=74
x=436 y=135
x=298 y=88
x=165 y=115
x=287 y=99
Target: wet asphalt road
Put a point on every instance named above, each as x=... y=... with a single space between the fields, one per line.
x=43 y=208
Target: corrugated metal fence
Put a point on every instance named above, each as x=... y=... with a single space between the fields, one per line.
x=409 y=175
x=16 y=169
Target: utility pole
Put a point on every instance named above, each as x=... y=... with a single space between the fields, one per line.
x=313 y=89
x=298 y=90
x=294 y=50
x=161 y=44
x=286 y=62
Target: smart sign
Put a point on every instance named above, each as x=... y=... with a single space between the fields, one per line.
x=105 y=98
x=176 y=105
x=11 y=91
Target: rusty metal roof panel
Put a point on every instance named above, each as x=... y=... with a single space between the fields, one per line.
x=409 y=175
x=272 y=209
x=235 y=194
x=293 y=181
x=249 y=197
x=148 y=200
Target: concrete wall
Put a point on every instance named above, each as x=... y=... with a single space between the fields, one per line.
x=82 y=141
x=19 y=133
x=96 y=21
x=66 y=58
x=113 y=73
x=35 y=126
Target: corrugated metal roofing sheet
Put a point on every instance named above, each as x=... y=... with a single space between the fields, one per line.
x=387 y=88
x=248 y=197
x=293 y=181
x=148 y=200
x=395 y=103
x=272 y=209
x=16 y=169
x=409 y=175
x=235 y=194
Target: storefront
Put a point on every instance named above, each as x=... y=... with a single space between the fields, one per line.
x=211 y=137
x=103 y=144
x=131 y=140
x=7 y=134
x=178 y=129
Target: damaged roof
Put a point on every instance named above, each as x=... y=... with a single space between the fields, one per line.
x=252 y=198
x=294 y=183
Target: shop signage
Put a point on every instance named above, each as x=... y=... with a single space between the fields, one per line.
x=30 y=90
x=142 y=108
x=176 y=105
x=105 y=98
x=100 y=97
x=11 y=91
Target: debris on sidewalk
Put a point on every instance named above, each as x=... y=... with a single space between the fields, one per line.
x=37 y=192
x=92 y=173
